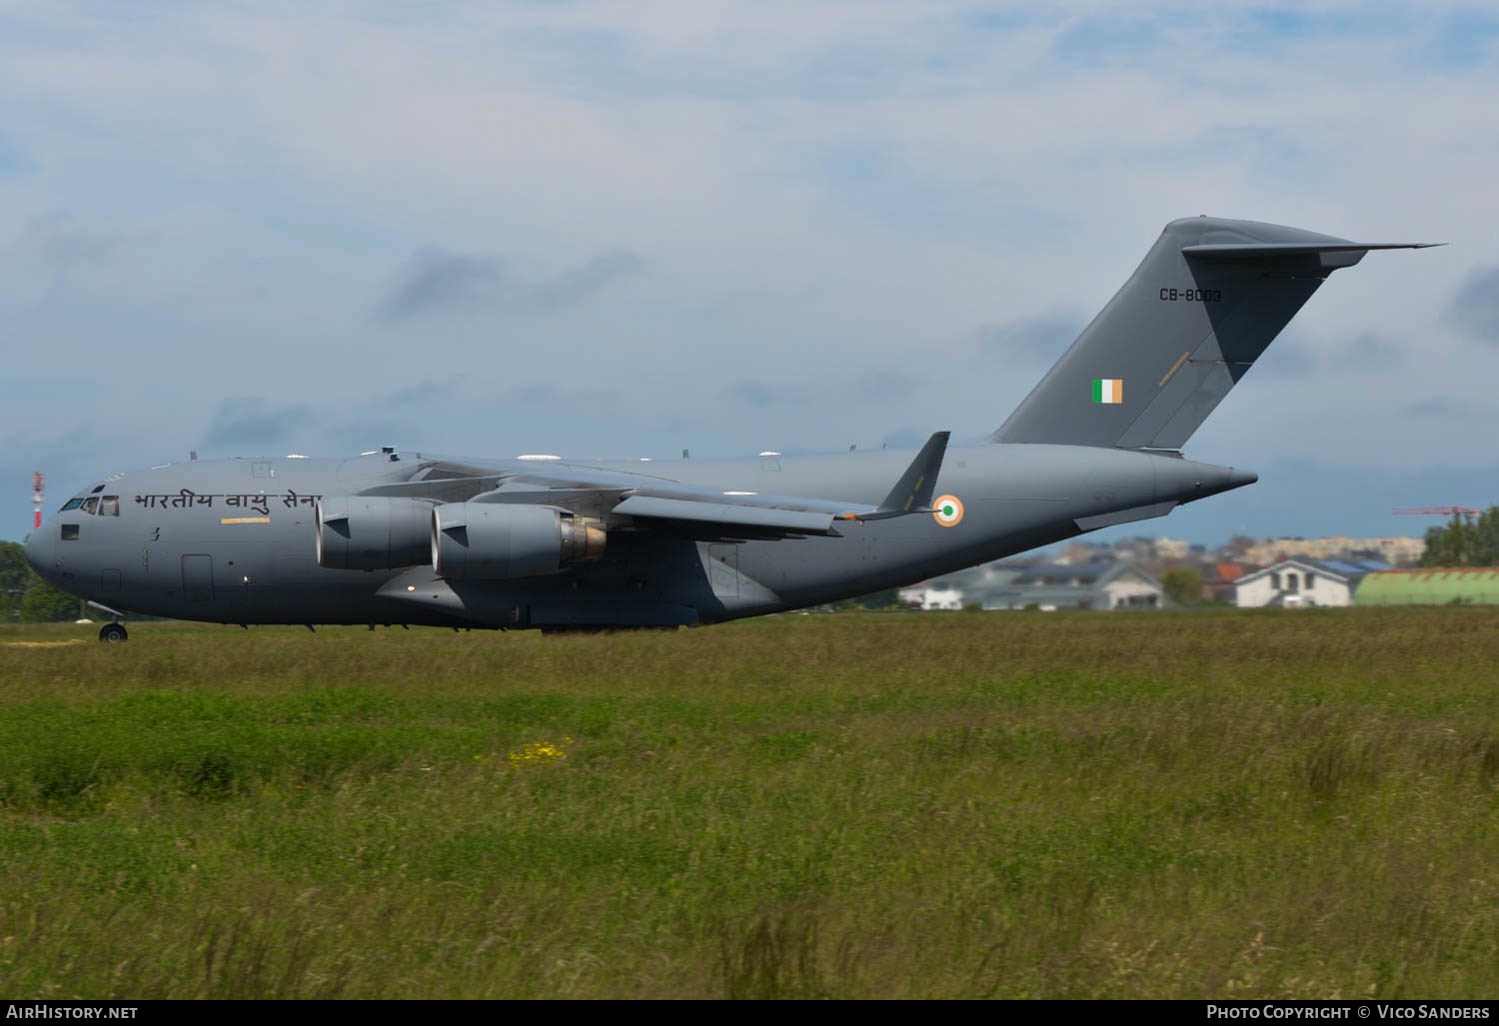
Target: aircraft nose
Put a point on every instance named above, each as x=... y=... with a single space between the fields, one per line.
x=39 y=548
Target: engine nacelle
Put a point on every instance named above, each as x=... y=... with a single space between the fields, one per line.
x=484 y=541
x=357 y=532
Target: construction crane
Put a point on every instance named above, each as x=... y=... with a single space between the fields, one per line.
x=1440 y=511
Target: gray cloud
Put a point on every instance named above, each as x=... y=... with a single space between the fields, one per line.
x=1438 y=407
x=1286 y=358
x=422 y=394
x=760 y=394
x=436 y=281
x=1475 y=308
x=254 y=421
x=543 y=414
x=881 y=386
x=1031 y=340
x=1295 y=354
x=395 y=418
x=574 y=286
x=63 y=240
x=874 y=387
x=1369 y=352
x=552 y=399
x=907 y=437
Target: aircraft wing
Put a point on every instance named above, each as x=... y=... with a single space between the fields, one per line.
x=659 y=501
x=707 y=512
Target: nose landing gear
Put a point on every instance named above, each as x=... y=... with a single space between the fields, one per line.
x=112 y=633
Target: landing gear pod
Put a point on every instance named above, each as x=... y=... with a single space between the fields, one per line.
x=356 y=532
x=479 y=541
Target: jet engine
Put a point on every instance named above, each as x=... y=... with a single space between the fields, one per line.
x=356 y=532
x=481 y=541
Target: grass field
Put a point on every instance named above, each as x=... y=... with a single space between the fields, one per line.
x=1265 y=804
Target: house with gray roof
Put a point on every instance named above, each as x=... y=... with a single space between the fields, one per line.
x=1102 y=585
x=1303 y=582
x=1105 y=584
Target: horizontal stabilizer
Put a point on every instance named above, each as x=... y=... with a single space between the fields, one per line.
x=1324 y=255
x=1231 y=250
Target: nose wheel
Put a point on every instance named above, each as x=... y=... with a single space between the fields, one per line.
x=113 y=633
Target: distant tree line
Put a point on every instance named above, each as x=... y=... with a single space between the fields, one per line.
x=1183 y=585
x=26 y=597
x=1465 y=541
x=888 y=599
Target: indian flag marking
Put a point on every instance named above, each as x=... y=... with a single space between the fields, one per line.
x=948 y=511
x=1108 y=390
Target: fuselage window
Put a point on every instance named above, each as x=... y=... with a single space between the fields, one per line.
x=69 y=532
x=72 y=504
x=91 y=505
x=109 y=506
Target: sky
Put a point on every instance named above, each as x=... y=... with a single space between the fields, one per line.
x=622 y=230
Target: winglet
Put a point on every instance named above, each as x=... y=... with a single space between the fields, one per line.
x=913 y=492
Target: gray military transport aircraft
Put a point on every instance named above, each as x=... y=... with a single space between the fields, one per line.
x=393 y=537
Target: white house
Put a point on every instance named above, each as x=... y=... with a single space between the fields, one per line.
x=1302 y=582
x=1100 y=585
x=1095 y=585
x=932 y=595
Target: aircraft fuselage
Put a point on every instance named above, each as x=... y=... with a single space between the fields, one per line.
x=235 y=541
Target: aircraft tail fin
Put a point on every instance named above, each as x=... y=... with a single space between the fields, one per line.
x=1205 y=302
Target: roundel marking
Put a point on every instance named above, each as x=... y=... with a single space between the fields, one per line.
x=948 y=511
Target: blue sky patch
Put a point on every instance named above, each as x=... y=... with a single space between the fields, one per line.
x=14 y=161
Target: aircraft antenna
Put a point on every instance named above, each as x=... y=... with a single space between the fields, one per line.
x=37 y=499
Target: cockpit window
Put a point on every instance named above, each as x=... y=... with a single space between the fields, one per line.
x=91 y=505
x=72 y=504
x=96 y=490
x=109 y=506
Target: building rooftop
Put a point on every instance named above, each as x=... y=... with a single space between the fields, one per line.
x=1346 y=570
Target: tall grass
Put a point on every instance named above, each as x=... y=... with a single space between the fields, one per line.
x=1297 y=804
